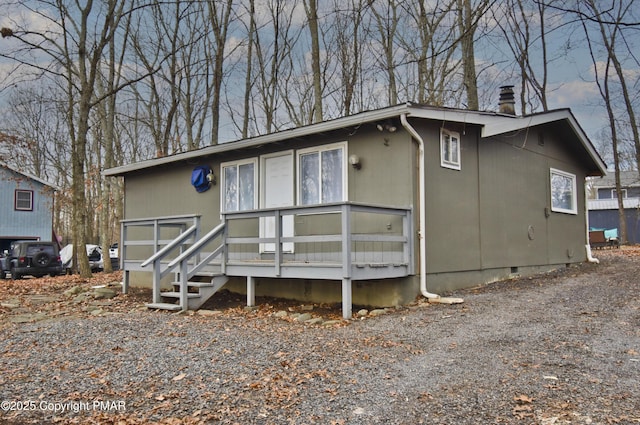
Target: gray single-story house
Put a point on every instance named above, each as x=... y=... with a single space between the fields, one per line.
x=373 y=209
x=603 y=210
x=26 y=207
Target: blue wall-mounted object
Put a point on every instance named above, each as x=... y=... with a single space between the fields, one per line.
x=200 y=179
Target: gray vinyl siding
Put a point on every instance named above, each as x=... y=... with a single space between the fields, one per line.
x=452 y=210
x=495 y=212
x=386 y=179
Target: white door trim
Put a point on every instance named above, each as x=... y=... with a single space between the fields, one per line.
x=286 y=197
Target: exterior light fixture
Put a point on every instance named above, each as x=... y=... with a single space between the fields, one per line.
x=211 y=178
x=386 y=125
x=354 y=160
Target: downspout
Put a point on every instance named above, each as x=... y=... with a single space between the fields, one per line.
x=423 y=220
x=590 y=257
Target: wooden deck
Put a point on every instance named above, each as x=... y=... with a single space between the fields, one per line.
x=359 y=242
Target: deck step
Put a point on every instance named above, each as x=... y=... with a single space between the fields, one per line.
x=177 y=294
x=195 y=284
x=163 y=306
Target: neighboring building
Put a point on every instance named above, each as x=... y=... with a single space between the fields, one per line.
x=603 y=211
x=374 y=208
x=26 y=207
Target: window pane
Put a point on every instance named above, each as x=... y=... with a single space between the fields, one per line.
x=562 y=192
x=246 y=186
x=332 y=176
x=446 y=148
x=230 y=188
x=454 y=150
x=309 y=175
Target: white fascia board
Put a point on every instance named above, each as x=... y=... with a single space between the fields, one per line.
x=459 y=116
x=325 y=126
x=517 y=123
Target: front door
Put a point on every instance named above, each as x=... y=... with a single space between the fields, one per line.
x=277 y=191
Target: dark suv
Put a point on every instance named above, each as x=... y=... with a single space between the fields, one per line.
x=32 y=258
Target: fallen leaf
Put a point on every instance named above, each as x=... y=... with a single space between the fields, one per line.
x=523 y=399
x=179 y=377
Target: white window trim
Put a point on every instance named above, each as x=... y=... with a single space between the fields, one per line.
x=443 y=161
x=15 y=202
x=223 y=183
x=574 y=198
x=320 y=149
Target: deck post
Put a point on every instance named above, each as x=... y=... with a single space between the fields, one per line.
x=225 y=234
x=125 y=282
x=346 y=299
x=251 y=291
x=184 y=285
x=156 y=282
x=346 y=241
x=122 y=252
x=278 y=244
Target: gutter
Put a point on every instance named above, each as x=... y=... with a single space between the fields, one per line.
x=423 y=220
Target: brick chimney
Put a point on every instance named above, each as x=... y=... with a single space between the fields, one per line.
x=507 y=103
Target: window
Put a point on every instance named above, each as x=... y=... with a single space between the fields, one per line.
x=239 y=186
x=321 y=175
x=614 y=193
x=24 y=200
x=563 y=192
x=449 y=149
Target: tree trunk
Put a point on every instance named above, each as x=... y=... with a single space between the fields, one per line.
x=468 y=24
x=312 y=16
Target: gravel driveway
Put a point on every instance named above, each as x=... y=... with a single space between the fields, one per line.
x=563 y=348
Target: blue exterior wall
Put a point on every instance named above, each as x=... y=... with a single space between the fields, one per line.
x=16 y=224
x=606 y=193
x=609 y=219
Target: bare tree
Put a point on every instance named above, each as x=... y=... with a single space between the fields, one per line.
x=386 y=17
x=273 y=48
x=348 y=37
x=469 y=15
x=430 y=39
x=248 y=83
x=526 y=26
x=72 y=49
x=311 y=9
x=219 y=16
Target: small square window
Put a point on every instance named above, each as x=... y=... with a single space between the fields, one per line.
x=563 y=192
x=24 y=200
x=450 y=149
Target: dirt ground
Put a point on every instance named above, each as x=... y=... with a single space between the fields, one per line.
x=559 y=348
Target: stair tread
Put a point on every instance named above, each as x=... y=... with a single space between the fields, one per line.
x=209 y=274
x=173 y=294
x=164 y=306
x=195 y=284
